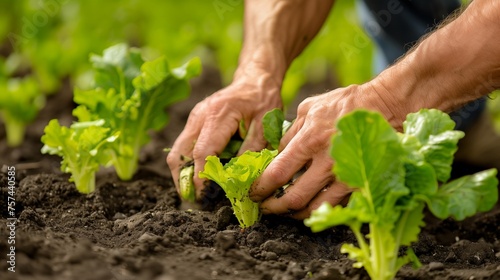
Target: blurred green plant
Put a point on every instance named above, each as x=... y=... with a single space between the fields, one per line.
x=52 y=38
x=20 y=102
x=131 y=95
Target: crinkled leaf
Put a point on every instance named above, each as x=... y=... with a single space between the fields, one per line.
x=420 y=178
x=356 y=254
x=159 y=88
x=439 y=150
x=82 y=147
x=21 y=99
x=327 y=216
x=409 y=224
x=463 y=197
x=116 y=69
x=427 y=122
x=437 y=140
x=236 y=178
x=132 y=95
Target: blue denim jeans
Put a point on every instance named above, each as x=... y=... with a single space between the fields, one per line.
x=396 y=25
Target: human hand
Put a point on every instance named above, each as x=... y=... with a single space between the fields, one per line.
x=213 y=121
x=306 y=146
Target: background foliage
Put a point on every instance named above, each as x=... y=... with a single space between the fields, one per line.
x=51 y=39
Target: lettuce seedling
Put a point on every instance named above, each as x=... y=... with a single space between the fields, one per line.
x=396 y=175
x=274 y=125
x=131 y=96
x=82 y=147
x=236 y=178
x=20 y=102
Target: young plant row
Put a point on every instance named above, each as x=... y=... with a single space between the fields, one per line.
x=395 y=175
x=128 y=99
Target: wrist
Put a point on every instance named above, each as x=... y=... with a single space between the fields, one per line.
x=446 y=70
x=264 y=60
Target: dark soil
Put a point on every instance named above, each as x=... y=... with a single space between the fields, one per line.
x=139 y=230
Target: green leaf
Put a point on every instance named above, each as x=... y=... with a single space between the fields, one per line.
x=82 y=147
x=409 y=224
x=439 y=151
x=327 y=216
x=116 y=68
x=367 y=155
x=370 y=156
x=420 y=178
x=20 y=102
x=427 y=122
x=132 y=95
x=273 y=127
x=438 y=142
x=236 y=178
x=463 y=197
x=231 y=149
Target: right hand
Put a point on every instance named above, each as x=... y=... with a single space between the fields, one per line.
x=213 y=122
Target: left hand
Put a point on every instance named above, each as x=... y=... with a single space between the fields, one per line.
x=306 y=146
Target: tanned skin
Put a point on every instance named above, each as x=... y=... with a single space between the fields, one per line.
x=458 y=63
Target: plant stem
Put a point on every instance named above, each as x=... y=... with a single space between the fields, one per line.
x=247 y=211
x=84 y=181
x=15 y=131
x=380 y=259
x=125 y=166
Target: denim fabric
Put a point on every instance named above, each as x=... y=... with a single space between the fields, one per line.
x=396 y=25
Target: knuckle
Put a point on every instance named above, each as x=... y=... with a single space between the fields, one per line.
x=311 y=146
x=277 y=174
x=304 y=107
x=295 y=201
x=171 y=160
x=198 y=151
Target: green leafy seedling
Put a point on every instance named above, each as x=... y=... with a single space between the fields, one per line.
x=236 y=178
x=396 y=175
x=20 y=101
x=83 y=149
x=131 y=96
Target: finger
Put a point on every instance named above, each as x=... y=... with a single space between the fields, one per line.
x=279 y=172
x=290 y=134
x=213 y=138
x=337 y=193
x=181 y=152
x=254 y=141
x=297 y=196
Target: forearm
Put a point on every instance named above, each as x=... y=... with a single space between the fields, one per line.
x=276 y=31
x=456 y=64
